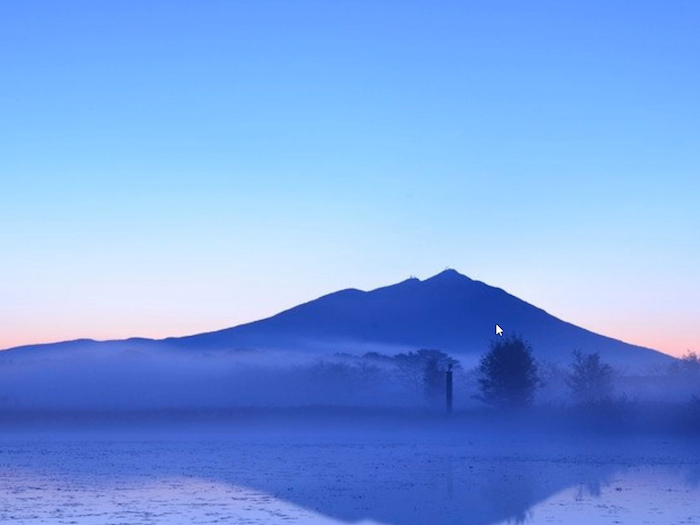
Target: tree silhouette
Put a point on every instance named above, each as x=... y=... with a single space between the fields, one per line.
x=589 y=379
x=508 y=374
x=688 y=365
x=423 y=369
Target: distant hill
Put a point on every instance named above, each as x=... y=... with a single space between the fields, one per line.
x=448 y=311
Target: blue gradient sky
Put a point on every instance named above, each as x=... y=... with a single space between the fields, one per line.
x=174 y=167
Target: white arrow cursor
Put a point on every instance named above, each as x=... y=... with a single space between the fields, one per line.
x=499 y=330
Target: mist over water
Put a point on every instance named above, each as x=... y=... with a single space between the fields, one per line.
x=134 y=436
x=127 y=377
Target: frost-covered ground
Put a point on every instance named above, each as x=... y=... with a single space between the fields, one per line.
x=356 y=470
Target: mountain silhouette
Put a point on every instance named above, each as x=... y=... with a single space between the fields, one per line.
x=448 y=311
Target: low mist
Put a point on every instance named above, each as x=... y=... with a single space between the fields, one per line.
x=133 y=379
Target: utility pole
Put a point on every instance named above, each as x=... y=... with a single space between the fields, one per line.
x=448 y=388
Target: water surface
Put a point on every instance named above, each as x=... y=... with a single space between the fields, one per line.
x=364 y=478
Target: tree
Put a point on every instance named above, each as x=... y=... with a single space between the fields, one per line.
x=688 y=365
x=424 y=369
x=508 y=374
x=589 y=379
x=685 y=373
x=435 y=365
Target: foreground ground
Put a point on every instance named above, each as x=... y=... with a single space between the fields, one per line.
x=328 y=468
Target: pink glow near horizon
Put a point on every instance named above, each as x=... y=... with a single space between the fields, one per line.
x=57 y=332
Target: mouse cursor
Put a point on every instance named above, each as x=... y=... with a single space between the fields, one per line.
x=499 y=330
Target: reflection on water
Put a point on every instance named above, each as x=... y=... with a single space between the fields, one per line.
x=634 y=495
x=219 y=480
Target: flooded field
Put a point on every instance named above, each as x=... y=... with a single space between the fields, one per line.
x=389 y=477
x=633 y=495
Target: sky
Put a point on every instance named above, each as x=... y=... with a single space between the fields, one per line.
x=172 y=167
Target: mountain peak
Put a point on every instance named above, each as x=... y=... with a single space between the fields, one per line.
x=448 y=275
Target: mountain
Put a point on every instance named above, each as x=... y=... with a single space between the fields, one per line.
x=449 y=311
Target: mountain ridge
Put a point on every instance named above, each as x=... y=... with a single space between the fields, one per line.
x=449 y=311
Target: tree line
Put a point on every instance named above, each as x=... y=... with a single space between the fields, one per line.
x=508 y=375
